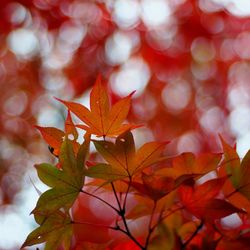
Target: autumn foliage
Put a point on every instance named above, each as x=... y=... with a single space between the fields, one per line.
x=119 y=196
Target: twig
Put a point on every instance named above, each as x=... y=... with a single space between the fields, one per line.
x=150 y=229
x=100 y=199
x=126 y=194
x=193 y=235
x=121 y=212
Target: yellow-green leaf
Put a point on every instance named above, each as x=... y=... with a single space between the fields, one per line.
x=54 y=199
x=53 y=231
x=105 y=172
x=53 y=177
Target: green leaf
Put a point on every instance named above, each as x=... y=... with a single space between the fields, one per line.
x=105 y=172
x=54 y=199
x=109 y=153
x=122 y=154
x=53 y=231
x=54 y=177
x=83 y=153
x=67 y=158
x=66 y=183
x=119 y=155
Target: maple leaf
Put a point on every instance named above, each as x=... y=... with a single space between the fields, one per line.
x=55 y=137
x=239 y=171
x=157 y=186
x=189 y=164
x=66 y=183
x=69 y=127
x=101 y=119
x=56 y=230
x=123 y=160
x=201 y=201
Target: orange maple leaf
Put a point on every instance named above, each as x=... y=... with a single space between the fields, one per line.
x=101 y=119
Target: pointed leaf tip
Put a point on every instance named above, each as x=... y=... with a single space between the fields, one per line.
x=132 y=93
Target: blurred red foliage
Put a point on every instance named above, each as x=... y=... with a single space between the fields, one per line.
x=188 y=61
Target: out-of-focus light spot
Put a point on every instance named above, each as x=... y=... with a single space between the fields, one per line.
x=84 y=99
x=241 y=45
x=209 y=176
x=146 y=108
x=231 y=221
x=142 y=135
x=243 y=144
x=204 y=101
x=44 y=5
x=175 y=3
x=23 y=43
x=155 y=12
x=54 y=82
x=203 y=71
x=226 y=50
x=47 y=43
x=133 y=75
x=16 y=104
x=212 y=120
x=238 y=96
x=202 y=50
x=176 y=95
x=118 y=48
x=239 y=73
x=209 y=6
x=214 y=24
x=85 y=11
x=12 y=225
x=239 y=120
x=50 y=117
x=161 y=39
x=189 y=142
x=236 y=7
x=17 y=13
x=13 y=125
x=57 y=60
x=126 y=13
x=71 y=35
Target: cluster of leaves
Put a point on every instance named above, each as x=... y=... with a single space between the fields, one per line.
x=182 y=209
x=24 y=79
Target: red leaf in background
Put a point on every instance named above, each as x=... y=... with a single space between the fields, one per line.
x=157 y=187
x=201 y=200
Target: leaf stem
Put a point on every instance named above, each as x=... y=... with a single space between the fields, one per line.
x=150 y=228
x=116 y=197
x=121 y=213
x=126 y=194
x=232 y=193
x=100 y=199
x=93 y=224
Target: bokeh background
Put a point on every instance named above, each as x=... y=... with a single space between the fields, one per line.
x=188 y=60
